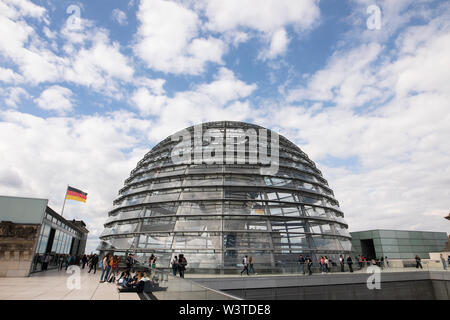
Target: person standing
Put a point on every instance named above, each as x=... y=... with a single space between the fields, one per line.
x=386 y=260
x=69 y=258
x=418 y=262
x=302 y=262
x=114 y=263
x=342 y=262
x=322 y=264
x=175 y=266
x=84 y=261
x=245 y=264
x=129 y=262
x=153 y=267
x=350 y=263
x=45 y=262
x=105 y=268
x=309 y=264
x=444 y=264
x=93 y=263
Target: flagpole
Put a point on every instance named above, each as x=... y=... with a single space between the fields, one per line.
x=65 y=197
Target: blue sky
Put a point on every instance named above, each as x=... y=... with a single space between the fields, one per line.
x=84 y=96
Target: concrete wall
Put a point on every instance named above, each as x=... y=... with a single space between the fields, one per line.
x=17 y=244
x=394 y=286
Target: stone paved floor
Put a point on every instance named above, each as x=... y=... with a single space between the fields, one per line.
x=52 y=285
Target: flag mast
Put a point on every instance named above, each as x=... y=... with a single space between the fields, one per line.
x=65 y=197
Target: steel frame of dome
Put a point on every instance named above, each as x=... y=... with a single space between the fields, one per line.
x=216 y=213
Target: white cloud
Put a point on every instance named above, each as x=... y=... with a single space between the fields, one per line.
x=93 y=153
x=169 y=39
x=9 y=76
x=55 y=98
x=223 y=98
x=269 y=18
x=119 y=16
x=14 y=96
x=402 y=172
x=279 y=41
x=264 y=16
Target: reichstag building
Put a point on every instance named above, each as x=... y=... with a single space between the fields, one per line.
x=222 y=190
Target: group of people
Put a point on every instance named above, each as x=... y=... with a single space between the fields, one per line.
x=325 y=263
x=248 y=265
x=179 y=264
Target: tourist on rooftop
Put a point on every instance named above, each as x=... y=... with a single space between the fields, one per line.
x=309 y=264
x=326 y=264
x=106 y=268
x=418 y=262
x=250 y=265
x=175 y=266
x=350 y=263
x=444 y=264
x=342 y=263
x=93 y=263
x=302 y=262
x=114 y=263
x=182 y=263
x=83 y=261
x=245 y=264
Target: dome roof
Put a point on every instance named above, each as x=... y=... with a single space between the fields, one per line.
x=222 y=190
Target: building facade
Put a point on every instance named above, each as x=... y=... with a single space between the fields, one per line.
x=30 y=230
x=397 y=244
x=218 y=205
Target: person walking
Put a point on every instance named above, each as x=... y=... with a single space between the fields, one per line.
x=382 y=262
x=175 y=266
x=326 y=262
x=444 y=264
x=84 y=261
x=386 y=261
x=245 y=264
x=93 y=263
x=309 y=264
x=302 y=262
x=182 y=263
x=250 y=265
x=418 y=262
x=350 y=263
x=342 y=263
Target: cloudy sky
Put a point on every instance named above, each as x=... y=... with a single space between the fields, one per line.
x=362 y=86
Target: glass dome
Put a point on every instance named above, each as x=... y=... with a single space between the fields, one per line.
x=206 y=192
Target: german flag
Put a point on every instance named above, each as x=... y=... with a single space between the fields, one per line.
x=75 y=194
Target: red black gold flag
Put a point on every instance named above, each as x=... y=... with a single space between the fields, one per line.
x=75 y=194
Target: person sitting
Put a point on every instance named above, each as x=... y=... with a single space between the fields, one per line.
x=137 y=285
